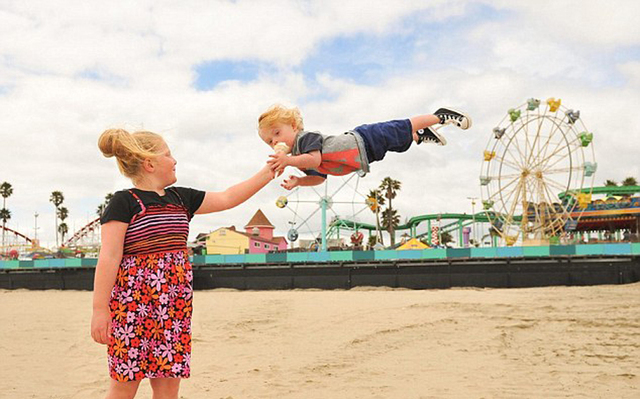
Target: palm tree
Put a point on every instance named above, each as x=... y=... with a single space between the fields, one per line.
x=376 y=209
x=63 y=213
x=610 y=183
x=5 y=215
x=5 y=190
x=389 y=189
x=390 y=220
x=630 y=181
x=102 y=206
x=63 y=229
x=57 y=198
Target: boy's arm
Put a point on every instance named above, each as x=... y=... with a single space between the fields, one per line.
x=295 y=181
x=235 y=195
x=309 y=160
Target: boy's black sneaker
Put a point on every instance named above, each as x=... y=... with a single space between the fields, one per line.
x=429 y=135
x=451 y=116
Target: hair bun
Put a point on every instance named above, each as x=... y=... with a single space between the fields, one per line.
x=111 y=142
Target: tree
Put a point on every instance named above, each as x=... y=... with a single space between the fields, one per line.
x=610 y=183
x=5 y=215
x=389 y=188
x=375 y=208
x=630 y=181
x=57 y=198
x=63 y=213
x=445 y=238
x=63 y=229
x=102 y=206
x=5 y=190
x=390 y=220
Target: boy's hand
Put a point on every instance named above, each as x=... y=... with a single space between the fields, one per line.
x=291 y=183
x=278 y=162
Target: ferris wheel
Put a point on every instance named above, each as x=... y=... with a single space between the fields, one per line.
x=311 y=200
x=537 y=172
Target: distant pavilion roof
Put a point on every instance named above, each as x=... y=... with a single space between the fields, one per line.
x=259 y=220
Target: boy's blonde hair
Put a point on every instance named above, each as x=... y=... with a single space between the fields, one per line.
x=280 y=114
x=130 y=149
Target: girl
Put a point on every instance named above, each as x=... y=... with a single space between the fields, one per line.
x=142 y=298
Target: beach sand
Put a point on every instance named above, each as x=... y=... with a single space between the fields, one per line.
x=365 y=343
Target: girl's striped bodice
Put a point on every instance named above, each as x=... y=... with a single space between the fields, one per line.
x=157 y=229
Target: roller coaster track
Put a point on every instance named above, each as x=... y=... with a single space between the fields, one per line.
x=16 y=233
x=91 y=226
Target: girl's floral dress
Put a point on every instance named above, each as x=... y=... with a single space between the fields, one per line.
x=151 y=300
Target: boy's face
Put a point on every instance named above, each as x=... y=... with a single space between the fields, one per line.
x=279 y=133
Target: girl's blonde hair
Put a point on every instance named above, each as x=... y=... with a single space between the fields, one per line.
x=280 y=114
x=130 y=149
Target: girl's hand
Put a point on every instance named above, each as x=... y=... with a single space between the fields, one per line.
x=268 y=171
x=278 y=162
x=291 y=183
x=101 y=326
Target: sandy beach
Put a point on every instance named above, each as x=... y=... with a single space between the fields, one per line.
x=365 y=343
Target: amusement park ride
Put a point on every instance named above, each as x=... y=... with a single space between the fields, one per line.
x=537 y=172
x=536 y=186
x=85 y=241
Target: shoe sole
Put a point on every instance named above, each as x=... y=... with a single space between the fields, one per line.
x=443 y=141
x=439 y=136
x=464 y=114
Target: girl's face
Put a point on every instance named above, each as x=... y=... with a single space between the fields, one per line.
x=165 y=166
x=279 y=133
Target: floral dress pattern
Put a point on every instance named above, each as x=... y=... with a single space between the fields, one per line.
x=151 y=301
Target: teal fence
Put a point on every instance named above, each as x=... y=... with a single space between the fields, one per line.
x=349 y=256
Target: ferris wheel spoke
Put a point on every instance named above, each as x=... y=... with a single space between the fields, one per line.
x=360 y=211
x=309 y=217
x=527 y=144
x=509 y=176
x=542 y=150
x=505 y=200
x=509 y=163
x=516 y=144
x=548 y=159
x=536 y=208
x=514 y=203
x=516 y=159
x=552 y=183
x=503 y=188
x=560 y=170
x=344 y=183
x=558 y=127
x=536 y=139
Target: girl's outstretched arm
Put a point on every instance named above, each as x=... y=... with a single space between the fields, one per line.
x=112 y=237
x=236 y=195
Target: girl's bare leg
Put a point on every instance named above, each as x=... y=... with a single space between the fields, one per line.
x=122 y=390
x=165 y=388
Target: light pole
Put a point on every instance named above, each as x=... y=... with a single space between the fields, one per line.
x=35 y=231
x=473 y=218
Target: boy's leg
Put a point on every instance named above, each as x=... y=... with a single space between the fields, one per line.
x=379 y=138
x=165 y=388
x=122 y=390
x=423 y=132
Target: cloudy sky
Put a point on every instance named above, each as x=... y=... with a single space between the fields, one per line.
x=200 y=73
